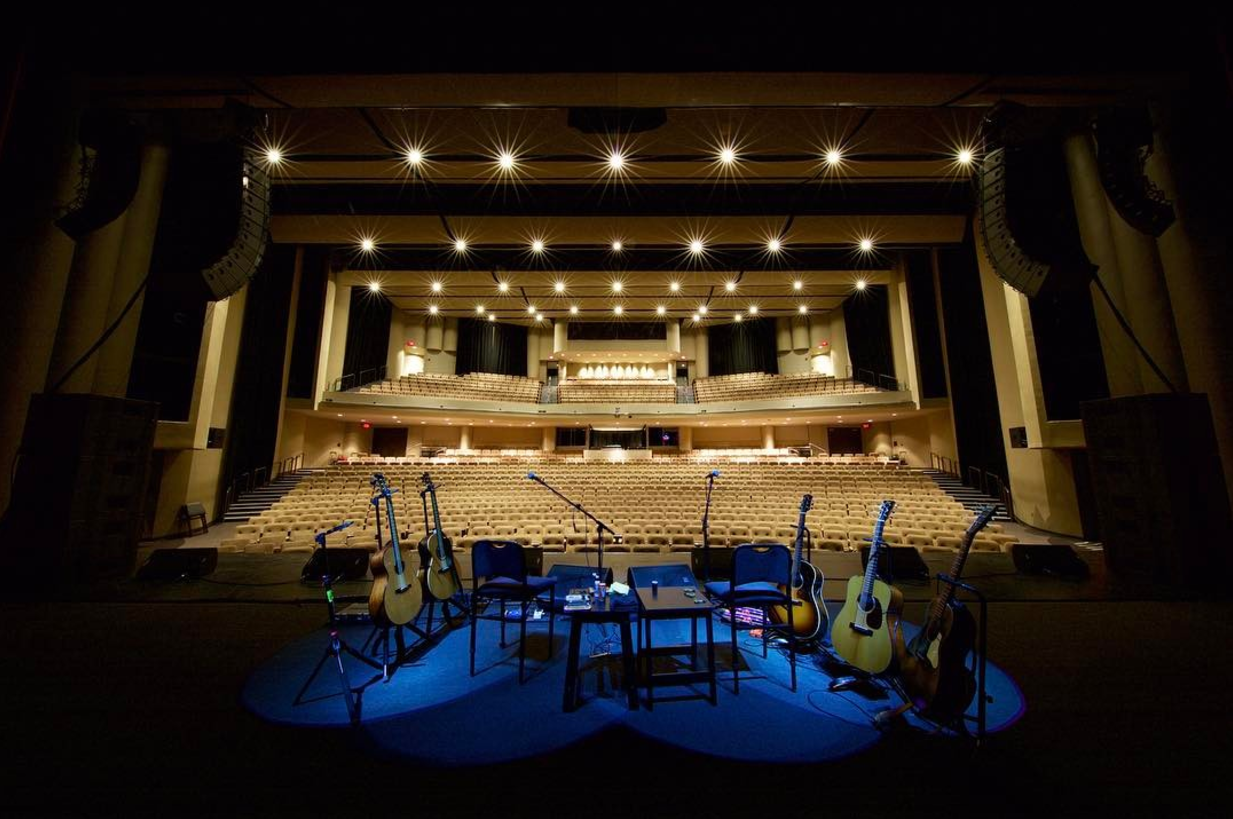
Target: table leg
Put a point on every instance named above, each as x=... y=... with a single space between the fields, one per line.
x=693 y=643
x=650 y=669
x=710 y=657
x=630 y=668
x=571 y=667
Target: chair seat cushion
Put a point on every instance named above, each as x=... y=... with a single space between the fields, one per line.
x=750 y=593
x=506 y=586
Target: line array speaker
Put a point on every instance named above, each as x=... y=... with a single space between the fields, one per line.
x=237 y=266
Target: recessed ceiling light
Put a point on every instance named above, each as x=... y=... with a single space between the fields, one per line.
x=506 y=161
x=273 y=156
x=774 y=245
x=661 y=310
x=802 y=309
x=436 y=287
x=374 y=287
x=738 y=318
x=702 y=310
x=460 y=245
x=479 y=308
x=503 y=287
x=866 y=244
x=675 y=287
x=340 y=415
x=727 y=155
x=618 y=310
x=531 y=309
x=964 y=156
x=617 y=286
x=798 y=285
x=697 y=317
x=414 y=157
x=617 y=245
x=537 y=246
x=730 y=286
x=559 y=287
x=861 y=284
x=616 y=160
x=753 y=309
x=696 y=246
x=368 y=245
x=492 y=316
x=833 y=157
x=573 y=309
x=433 y=309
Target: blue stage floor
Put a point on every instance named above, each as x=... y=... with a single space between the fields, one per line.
x=433 y=710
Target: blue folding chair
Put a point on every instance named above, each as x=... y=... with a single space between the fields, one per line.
x=760 y=574
x=502 y=567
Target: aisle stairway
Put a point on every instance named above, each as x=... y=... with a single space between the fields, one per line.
x=263 y=497
x=972 y=499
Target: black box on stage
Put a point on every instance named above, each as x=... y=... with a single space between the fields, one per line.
x=80 y=486
x=173 y=564
x=340 y=562
x=899 y=563
x=1159 y=488
x=668 y=574
x=1055 y=559
x=720 y=560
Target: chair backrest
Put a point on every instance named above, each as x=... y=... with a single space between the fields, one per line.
x=498 y=558
x=761 y=562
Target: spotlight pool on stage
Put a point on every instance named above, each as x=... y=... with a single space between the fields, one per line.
x=432 y=710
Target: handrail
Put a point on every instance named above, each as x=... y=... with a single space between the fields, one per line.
x=257 y=478
x=352 y=381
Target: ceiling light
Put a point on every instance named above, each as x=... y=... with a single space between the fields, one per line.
x=367 y=245
x=730 y=286
x=964 y=156
x=374 y=287
x=573 y=309
x=479 y=308
x=803 y=309
x=833 y=157
x=798 y=285
x=738 y=318
x=436 y=287
x=433 y=309
x=506 y=161
x=702 y=310
x=697 y=317
x=537 y=246
x=675 y=287
x=661 y=310
x=774 y=245
x=460 y=245
x=617 y=287
x=503 y=287
x=753 y=309
x=415 y=157
x=618 y=309
x=531 y=309
x=273 y=156
x=492 y=316
x=559 y=287
x=616 y=160
x=727 y=155
x=696 y=246
x=866 y=244
x=617 y=245
x=861 y=284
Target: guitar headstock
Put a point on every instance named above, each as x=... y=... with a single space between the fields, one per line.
x=426 y=479
x=983 y=517
x=884 y=512
x=806 y=503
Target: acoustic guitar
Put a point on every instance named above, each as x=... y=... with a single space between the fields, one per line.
x=808 y=615
x=861 y=634
x=440 y=574
x=933 y=666
x=390 y=601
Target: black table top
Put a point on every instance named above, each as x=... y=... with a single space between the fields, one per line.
x=672 y=599
x=612 y=605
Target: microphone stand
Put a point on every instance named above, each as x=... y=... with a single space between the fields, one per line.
x=600 y=526
x=706 y=529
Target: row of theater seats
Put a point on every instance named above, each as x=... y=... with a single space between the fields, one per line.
x=754 y=386
x=630 y=393
x=655 y=505
x=473 y=386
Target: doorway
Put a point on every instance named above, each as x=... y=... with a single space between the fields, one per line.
x=389 y=441
x=844 y=441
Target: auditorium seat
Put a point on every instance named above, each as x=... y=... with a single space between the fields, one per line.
x=757 y=386
x=472 y=386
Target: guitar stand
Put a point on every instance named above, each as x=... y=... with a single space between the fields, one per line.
x=960 y=724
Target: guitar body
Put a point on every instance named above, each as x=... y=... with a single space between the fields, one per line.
x=808 y=613
x=934 y=667
x=869 y=645
x=439 y=573
x=390 y=601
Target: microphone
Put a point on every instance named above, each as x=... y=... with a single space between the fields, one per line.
x=714 y=473
x=532 y=476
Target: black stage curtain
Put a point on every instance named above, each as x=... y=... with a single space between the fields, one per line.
x=491 y=347
x=748 y=347
x=866 y=315
x=925 y=324
x=1072 y=366
x=368 y=331
x=308 y=317
x=974 y=398
x=253 y=422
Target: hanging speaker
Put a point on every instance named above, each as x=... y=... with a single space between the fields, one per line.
x=237 y=266
x=1027 y=217
x=108 y=173
x=1123 y=144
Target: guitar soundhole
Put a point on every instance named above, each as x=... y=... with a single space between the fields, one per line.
x=873 y=618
